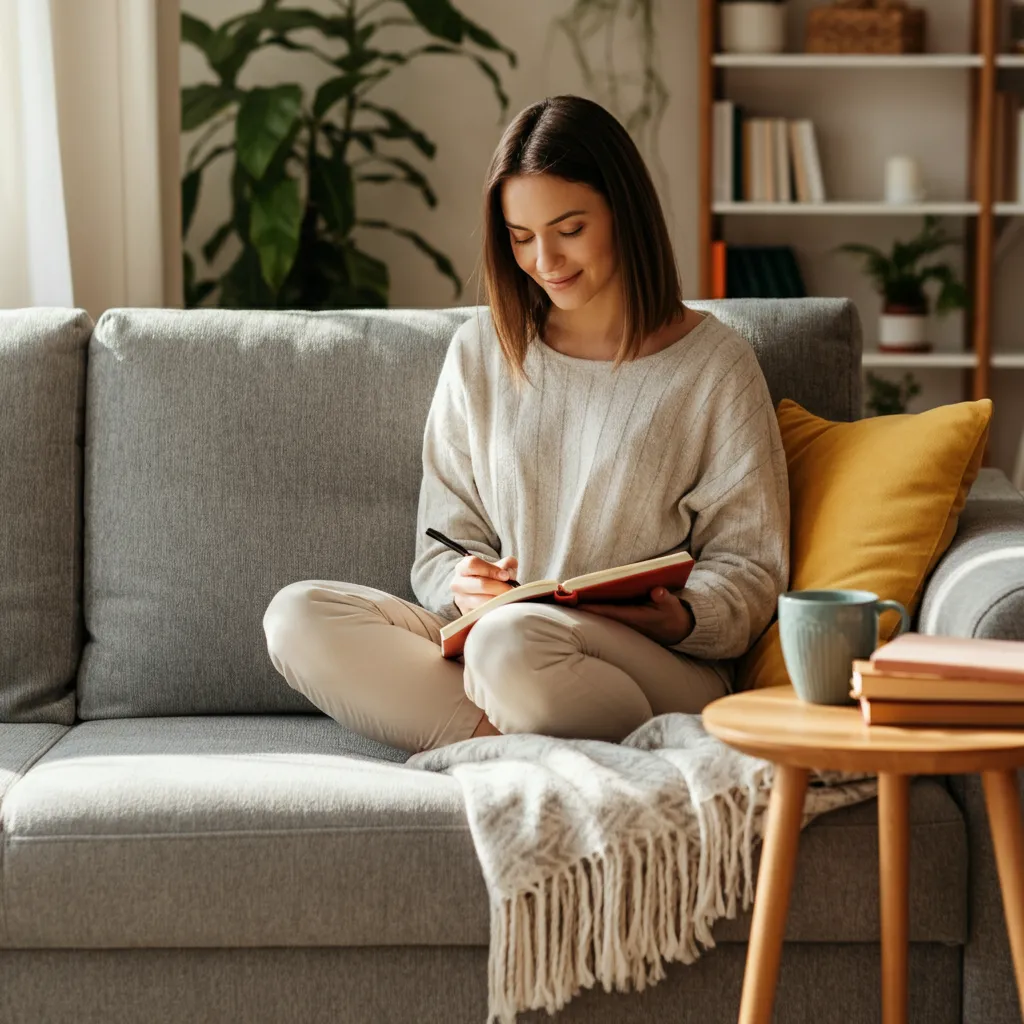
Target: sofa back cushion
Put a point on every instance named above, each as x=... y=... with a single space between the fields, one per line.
x=42 y=389
x=230 y=453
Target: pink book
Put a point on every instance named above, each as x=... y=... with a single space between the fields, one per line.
x=953 y=657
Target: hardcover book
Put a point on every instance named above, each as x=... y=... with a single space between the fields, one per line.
x=622 y=584
x=953 y=657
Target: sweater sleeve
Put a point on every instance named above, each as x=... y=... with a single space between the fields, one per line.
x=739 y=515
x=449 y=499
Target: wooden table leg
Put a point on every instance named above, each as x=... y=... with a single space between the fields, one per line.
x=1004 y=821
x=893 y=876
x=771 y=899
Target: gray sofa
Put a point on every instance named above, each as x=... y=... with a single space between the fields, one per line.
x=185 y=839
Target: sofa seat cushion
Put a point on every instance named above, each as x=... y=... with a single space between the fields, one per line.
x=289 y=831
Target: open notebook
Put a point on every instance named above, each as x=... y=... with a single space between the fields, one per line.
x=622 y=584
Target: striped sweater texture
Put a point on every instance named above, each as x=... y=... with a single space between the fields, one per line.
x=588 y=467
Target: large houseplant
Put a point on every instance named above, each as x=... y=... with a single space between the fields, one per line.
x=298 y=161
x=900 y=279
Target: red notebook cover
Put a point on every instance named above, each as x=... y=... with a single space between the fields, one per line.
x=632 y=589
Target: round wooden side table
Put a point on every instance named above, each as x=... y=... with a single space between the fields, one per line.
x=774 y=724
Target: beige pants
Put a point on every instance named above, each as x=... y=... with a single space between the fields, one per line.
x=373 y=662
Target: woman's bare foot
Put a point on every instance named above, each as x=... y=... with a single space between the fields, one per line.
x=485 y=728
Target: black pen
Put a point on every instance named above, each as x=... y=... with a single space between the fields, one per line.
x=458 y=548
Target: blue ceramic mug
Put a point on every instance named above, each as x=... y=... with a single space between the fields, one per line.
x=823 y=631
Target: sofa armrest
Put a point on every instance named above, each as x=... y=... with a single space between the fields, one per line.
x=977 y=589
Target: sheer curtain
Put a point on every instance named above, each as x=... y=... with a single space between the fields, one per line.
x=89 y=126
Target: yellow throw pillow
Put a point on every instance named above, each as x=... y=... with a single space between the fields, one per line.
x=874 y=504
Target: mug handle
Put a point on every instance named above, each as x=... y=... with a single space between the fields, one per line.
x=904 y=617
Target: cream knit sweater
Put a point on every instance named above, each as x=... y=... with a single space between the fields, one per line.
x=589 y=467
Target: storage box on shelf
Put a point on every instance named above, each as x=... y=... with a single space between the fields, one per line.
x=871 y=29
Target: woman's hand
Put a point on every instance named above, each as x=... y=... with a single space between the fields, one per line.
x=665 y=619
x=476 y=581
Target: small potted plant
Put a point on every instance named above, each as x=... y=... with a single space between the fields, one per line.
x=888 y=397
x=752 y=26
x=900 y=280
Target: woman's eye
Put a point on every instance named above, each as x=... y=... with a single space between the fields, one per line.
x=571 y=234
x=521 y=241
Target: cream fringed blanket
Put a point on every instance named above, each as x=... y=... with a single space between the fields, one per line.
x=603 y=860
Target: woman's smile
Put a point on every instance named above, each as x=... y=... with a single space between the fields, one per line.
x=561 y=282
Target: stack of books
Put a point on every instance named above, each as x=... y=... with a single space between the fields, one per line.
x=942 y=681
x=764 y=159
x=755 y=272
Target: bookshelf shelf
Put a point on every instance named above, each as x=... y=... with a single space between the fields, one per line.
x=761 y=97
x=850 y=209
x=1008 y=360
x=838 y=61
x=921 y=360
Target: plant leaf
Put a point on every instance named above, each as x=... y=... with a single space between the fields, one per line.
x=484 y=38
x=442 y=262
x=265 y=119
x=367 y=274
x=438 y=17
x=288 y=19
x=201 y=102
x=196 y=31
x=332 y=90
x=399 y=128
x=243 y=287
x=213 y=244
x=189 y=198
x=485 y=66
x=194 y=291
x=410 y=175
x=275 y=220
x=331 y=191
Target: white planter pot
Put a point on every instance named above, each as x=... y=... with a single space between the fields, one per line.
x=903 y=331
x=752 y=26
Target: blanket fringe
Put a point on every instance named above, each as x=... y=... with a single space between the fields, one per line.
x=616 y=917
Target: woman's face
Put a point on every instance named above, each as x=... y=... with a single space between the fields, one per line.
x=562 y=235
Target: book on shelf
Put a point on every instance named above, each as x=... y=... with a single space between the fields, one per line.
x=623 y=584
x=942 y=713
x=755 y=271
x=953 y=657
x=763 y=159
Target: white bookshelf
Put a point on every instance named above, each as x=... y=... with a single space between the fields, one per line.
x=874 y=62
x=872 y=357
x=1008 y=209
x=851 y=209
x=1008 y=360
x=1010 y=60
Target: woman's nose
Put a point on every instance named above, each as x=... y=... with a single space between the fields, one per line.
x=548 y=258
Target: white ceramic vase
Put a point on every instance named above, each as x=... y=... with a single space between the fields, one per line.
x=903 y=332
x=752 y=26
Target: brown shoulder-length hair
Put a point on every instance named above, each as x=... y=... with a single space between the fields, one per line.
x=578 y=140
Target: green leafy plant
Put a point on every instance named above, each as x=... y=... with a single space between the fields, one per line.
x=886 y=397
x=899 y=279
x=299 y=162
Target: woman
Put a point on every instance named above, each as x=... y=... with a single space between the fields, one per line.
x=589 y=420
